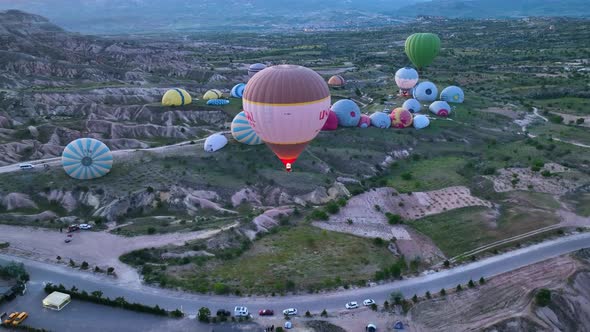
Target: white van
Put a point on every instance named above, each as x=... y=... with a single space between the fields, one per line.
x=241 y=312
x=26 y=166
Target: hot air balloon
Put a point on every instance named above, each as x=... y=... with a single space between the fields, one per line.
x=406 y=78
x=217 y=102
x=238 y=90
x=348 y=113
x=365 y=121
x=401 y=118
x=243 y=132
x=253 y=69
x=421 y=121
x=86 y=158
x=176 y=97
x=331 y=123
x=425 y=91
x=380 y=120
x=452 y=94
x=422 y=48
x=215 y=142
x=412 y=105
x=212 y=94
x=336 y=81
x=287 y=106
x=440 y=108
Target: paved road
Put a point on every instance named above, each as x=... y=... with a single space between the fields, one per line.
x=509 y=261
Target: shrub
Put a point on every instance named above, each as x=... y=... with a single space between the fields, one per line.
x=378 y=241
x=415 y=298
x=84 y=265
x=386 y=305
x=324 y=313
x=428 y=296
x=204 y=314
x=110 y=270
x=151 y=230
x=447 y=263
x=443 y=292
x=482 y=281
x=546 y=173
x=318 y=214
x=374 y=307
x=176 y=314
x=307 y=314
x=406 y=176
x=543 y=297
x=279 y=329
x=459 y=288
x=58 y=258
x=393 y=219
x=220 y=288
x=397 y=297
x=471 y=284
x=332 y=207
x=72 y=263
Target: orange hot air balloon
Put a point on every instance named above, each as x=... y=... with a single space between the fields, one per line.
x=287 y=106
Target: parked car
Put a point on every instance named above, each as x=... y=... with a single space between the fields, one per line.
x=223 y=313
x=73 y=228
x=266 y=312
x=20 y=318
x=68 y=240
x=368 y=302
x=10 y=318
x=85 y=226
x=351 y=305
x=241 y=311
x=25 y=167
x=290 y=312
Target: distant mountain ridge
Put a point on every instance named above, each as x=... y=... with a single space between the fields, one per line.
x=146 y=16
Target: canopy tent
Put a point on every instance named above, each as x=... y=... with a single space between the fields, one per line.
x=56 y=301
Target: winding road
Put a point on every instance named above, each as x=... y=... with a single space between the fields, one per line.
x=333 y=301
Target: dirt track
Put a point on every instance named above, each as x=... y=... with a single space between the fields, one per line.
x=97 y=248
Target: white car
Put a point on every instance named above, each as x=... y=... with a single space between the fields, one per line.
x=26 y=166
x=368 y=302
x=85 y=226
x=241 y=311
x=352 y=305
x=290 y=312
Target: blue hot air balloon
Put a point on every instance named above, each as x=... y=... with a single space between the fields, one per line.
x=412 y=105
x=238 y=90
x=421 y=121
x=348 y=113
x=217 y=102
x=425 y=91
x=380 y=120
x=86 y=158
x=243 y=132
x=452 y=94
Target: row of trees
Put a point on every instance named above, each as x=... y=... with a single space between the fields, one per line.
x=120 y=302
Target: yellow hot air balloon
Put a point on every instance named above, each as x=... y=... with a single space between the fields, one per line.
x=176 y=97
x=212 y=94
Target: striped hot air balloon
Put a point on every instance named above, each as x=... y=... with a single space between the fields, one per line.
x=238 y=90
x=331 y=122
x=86 y=158
x=243 y=132
x=406 y=78
x=287 y=106
x=336 y=81
x=176 y=97
x=212 y=94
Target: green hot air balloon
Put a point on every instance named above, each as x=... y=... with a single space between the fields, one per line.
x=422 y=48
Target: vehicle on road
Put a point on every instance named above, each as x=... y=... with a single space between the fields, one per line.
x=10 y=318
x=241 y=311
x=368 y=302
x=266 y=312
x=85 y=226
x=20 y=318
x=371 y=328
x=25 y=167
x=290 y=312
x=68 y=240
x=223 y=313
x=73 y=228
x=351 y=305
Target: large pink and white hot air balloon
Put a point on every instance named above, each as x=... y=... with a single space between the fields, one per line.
x=406 y=78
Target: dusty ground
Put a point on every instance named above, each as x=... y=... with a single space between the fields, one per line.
x=46 y=245
x=505 y=112
x=534 y=181
x=508 y=295
x=361 y=218
x=567 y=118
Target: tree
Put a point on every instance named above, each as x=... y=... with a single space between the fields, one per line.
x=307 y=314
x=84 y=265
x=204 y=314
x=374 y=307
x=176 y=313
x=151 y=230
x=543 y=297
x=459 y=288
x=393 y=219
x=447 y=263
x=386 y=305
x=428 y=296
x=471 y=284
x=110 y=270
x=443 y=292
x=396 y=297
x=58 y=258
x=72 y=263
x=415 y=298
x=324 y=313
x=482 y=281
x=97 y=294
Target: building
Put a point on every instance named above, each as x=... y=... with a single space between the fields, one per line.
x=56 y=301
